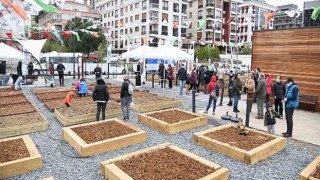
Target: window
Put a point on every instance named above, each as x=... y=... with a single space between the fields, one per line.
x=131 y=18
x=126 y=20
x=43 y=60
x=190 y=14
x=200 y=13
x=136 y=29
x=218 y=14
x=190 y=4
x=175 y=18
x=136 y=5
x=137 y=17
x=131 y=7
x=233 y=7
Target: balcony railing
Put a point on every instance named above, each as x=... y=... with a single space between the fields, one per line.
x=200 y=6
x=208 y=39
x=153 y=5
x=165 y=8
x=210 y=5
x=199 y=17
x=153 y=32
x=176 y=10
x=175 y=34
x=183 y=35
x=144 y=20
x=144 y=7
x=217 y=39
x=218 y=17
x=184 y=11
x=209 y=27
x=218 y=6
x=209 y=16
x=164 y=33
x=143 y=32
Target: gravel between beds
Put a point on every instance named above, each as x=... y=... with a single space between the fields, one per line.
x=286 y=164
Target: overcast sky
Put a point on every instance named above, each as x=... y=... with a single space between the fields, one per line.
x=284 y=2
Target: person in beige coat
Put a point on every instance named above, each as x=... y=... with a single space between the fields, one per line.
x=250 y=85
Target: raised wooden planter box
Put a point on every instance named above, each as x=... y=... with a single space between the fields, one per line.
x=22 y=108
x=17 y=130
x=68 y=121
x=58 y=103
x=85 y=149
x=43 y=97
x=249 y=157
x=155 y=106
x=24 y=165
x=307 y=173
x=4 y=101
x=111 y=171
x=172 y=128
x=48 y=178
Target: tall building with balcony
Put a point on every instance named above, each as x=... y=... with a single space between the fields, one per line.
x=70 y=10
x=159 y=20
x=283 y=21
x=219 y=17
x=252 y=17
x=307 y=11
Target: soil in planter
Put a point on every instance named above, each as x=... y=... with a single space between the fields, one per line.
x=141 y=94
x=231 y=136
x=172 y=116
x=164 y=164
x=58 y=103
x=10 y=93
x=41 y=91
x=16 y=109
x=20 y=120
x=13 y=150
x=102 y=131
x=153 y=100
x=317 y=173
x=54 y=95
x=13 y=100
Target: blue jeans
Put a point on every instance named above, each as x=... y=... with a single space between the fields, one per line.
x=235 y=101
x=214 y=104
x=181 y=86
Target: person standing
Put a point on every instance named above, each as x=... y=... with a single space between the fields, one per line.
x=193 y=79
x=17 y=84
x=138 y=69
x=256 y=79
x=230 y=88
x=100 y=95
x=60 y=69
x=97 y=71
x=221 y=76
x=270 y=118
x=126 y=98
x=2 y=67
x=269 y=87
x=51 y=74
x=291 y=100
x=213 y=90
x=182 y=75
x=260 y=94
x=30 y=68
x=237 y=88
x=278 y=90
x=250 y=85
x=207 y=79
x=19 y=68
x=162 y=75
x=170 y=75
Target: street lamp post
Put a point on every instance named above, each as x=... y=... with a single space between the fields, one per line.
x=73 y=43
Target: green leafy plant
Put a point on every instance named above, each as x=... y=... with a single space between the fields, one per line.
x=204 y=53
x=246 y=51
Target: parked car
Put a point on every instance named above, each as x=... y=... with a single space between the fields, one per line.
x=241 y=69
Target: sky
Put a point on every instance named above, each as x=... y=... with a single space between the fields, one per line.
x=284 y=2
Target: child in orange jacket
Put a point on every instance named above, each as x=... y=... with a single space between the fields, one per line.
x=69 y=98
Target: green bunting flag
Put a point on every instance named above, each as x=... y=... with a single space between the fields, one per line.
x=35 y=28
x=201 y=24
x=231 y=44
x=130 y=38
x=315 y=13
x=172 y=41
x=46 y=7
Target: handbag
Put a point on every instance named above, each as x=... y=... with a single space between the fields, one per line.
x=214 y=93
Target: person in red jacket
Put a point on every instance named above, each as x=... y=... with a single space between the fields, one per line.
x=269 y=87
x=193 y=79
x=68 y=99
x=170 y=75
x=213 y=90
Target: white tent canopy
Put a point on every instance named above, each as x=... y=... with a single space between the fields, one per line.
x=168 y=51
x=142 y=52
x=9 y=52
x=33 y=46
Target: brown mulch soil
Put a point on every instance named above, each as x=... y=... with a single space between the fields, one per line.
x=115 y=97
x=153 y=100
x=10 y=93
x=231 y=136
x=139 y=94
x=317 y=173
x=20 y=120
x=86 y=109
x=102 y=131
x=55 y=95
x=164 y=164
x=16 y=109
x=172 y=116
x=51 y=90
x=12 y=100
x=58 y=103
x=13 y=150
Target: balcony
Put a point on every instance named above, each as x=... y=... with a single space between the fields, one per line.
x=154 y=6
x=144 y=7
x=218 y=17
x=219 y=6
x=208 y=39
x=199 y=17
x=154 y=32
x=183 y=35
x=200 y=6
x=217 y=39
x=176 y=10
x=209 y=27
x=165 y=8
x=209 y=5
x=144 y=20
x=175 y=34
x=143 y=32
x=210 y=16
x=116 y=15
x=165 y=33
x=184 y=11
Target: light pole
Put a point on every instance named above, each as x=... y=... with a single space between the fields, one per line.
x=73 y=43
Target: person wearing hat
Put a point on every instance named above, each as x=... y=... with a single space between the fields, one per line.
x=270 y=118
x=260 y=95
x=291 y=101
x=100 y=96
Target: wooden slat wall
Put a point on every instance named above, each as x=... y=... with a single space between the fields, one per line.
x=293 y=52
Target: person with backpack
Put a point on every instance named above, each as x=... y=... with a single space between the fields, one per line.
x=213 y=90
x=182 y=75
x=126 y=97
x=100 y=95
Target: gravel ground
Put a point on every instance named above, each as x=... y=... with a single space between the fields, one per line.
x=286 y=164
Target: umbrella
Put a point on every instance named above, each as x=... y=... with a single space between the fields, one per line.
x=9 y=52
x=168 y=51
x=142 y=52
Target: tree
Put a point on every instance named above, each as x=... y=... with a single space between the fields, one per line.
x=102 y=51
x=205 y=52
x=246 y=51
x=52 y=45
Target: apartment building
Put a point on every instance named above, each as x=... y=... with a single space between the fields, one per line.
x=219 y=18
x=161 y=21
x=70 y=10
x=252 y=17
x=307 y=11
x=283 y=21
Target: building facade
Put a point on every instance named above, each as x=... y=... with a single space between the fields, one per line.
x=159 y=21
x=70 y=10
x=252 y=18
x=283 y=21
x=307 y=11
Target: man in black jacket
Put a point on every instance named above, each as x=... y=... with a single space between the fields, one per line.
x=97 y=71
x=19 y=68
x=100 y=95
x=126 y=98
x=278 y=90
x=2 y=67
x=60 y=69
x=182 y=75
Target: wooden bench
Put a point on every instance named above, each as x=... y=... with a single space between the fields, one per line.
x=308 y=100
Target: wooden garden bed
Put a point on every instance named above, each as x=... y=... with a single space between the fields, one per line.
x=248 y=149
x=22 y=108
x=22 y=124
x=10 y=93
x=312 y=171
x=43 y=97
x=172 y=120
x=18 y=156
x=98 y=137
x=51 y=90
x=59 y=103
x=172 y=162
x=84 y=113
x=154 y=103
x=9 y=100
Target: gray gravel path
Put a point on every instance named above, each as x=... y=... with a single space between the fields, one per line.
x=287 y=164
